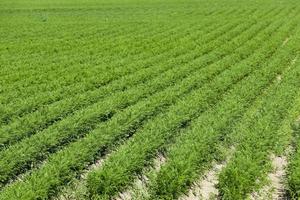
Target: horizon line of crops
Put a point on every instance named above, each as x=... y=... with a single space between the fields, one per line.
x=35 y=100
x=116 y=29
x=67 y=70
x=148 y=33
x=118 y=39
x=123 y=41
x=13 y=108
x=147 y=68
x=117 y=36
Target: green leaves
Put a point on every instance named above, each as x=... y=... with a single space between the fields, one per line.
x=133 y=78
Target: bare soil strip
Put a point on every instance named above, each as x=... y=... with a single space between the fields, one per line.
x=279 y=78
x=78 y=189
x=140 y=185
x=275 y=190
x=206 y=188
x=293 y=62
x=285 y=41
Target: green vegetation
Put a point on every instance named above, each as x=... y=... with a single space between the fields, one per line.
x=124 y=81
x=294 y=165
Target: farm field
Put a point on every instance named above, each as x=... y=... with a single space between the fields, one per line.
x=157 y=99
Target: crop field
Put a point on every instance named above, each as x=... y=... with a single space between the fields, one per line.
x=156 y=99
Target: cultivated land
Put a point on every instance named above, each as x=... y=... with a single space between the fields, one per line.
x=157 y=99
